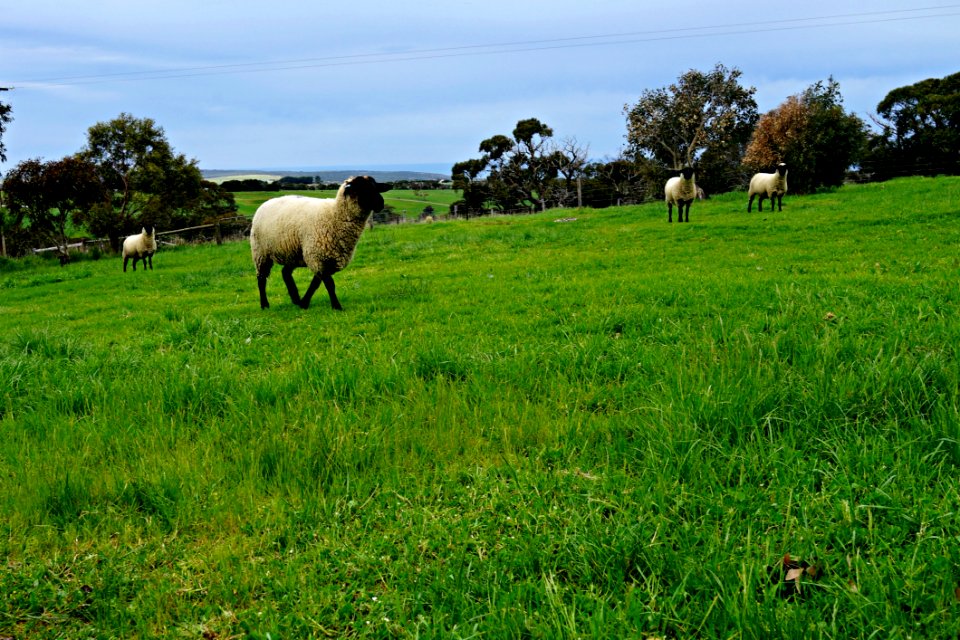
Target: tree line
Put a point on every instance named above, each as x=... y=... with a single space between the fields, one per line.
x=709 y=120
x=128 y=175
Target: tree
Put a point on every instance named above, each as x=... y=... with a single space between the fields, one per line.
x=71 y=186
x=22 y=195
x=812 y=134
x=703 y=116
x=513 y=171
x=145 y=181
x=613 y=182
x=570 y=159
x=214 y=202
x=5 y=118
x=44 y=198
x=920 y=130
x=466 y=178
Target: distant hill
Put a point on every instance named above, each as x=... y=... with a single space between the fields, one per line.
x=219 y=175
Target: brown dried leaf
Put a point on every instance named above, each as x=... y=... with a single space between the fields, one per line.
x=794 y=575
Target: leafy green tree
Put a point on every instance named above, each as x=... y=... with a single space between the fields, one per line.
x=466 y=178
x=146 y=181
x=214 y=202
x=920 y=130
x=813 y=135
x=22 y=196
x=45 y=198
x=515 y=171
x=703 y=118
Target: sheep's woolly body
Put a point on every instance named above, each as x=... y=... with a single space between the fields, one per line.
x=681 y=191
x=768 y=185
x=320 y=234
x=297 y=231
x=678 y=189
x=141 y=246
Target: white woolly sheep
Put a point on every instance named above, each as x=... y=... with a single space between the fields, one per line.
x=768 y=185
x=318 y=233
x=682 y=191
x=141 y=246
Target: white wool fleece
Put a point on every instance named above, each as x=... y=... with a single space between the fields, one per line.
x=139 y=245
x=679 y=189
x=317 y=233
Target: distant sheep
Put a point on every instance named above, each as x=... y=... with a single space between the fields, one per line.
x=318 y=233
x=682 y=191
x=768 y=185
x=141 y=246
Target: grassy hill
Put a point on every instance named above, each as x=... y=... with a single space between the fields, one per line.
x=569 y=424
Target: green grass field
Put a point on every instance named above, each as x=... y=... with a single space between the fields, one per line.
x=519 y=427
x=405 y=202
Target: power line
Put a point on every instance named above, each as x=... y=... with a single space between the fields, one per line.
x=791 y=24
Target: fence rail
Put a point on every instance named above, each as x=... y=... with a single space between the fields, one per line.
x=218 y=228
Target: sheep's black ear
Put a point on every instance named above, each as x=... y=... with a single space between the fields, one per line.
x=383 y=187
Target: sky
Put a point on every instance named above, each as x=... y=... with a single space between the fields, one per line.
x=380 y=84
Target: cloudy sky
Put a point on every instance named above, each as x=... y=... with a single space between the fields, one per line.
x=373 y=84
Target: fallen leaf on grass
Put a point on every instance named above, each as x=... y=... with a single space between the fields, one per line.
x=790 y=572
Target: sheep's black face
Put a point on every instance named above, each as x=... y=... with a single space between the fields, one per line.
x=366 y=192
x=687 y=172
x=782 y=169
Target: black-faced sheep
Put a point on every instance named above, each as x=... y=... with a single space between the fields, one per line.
x=682 y=191
x=768 y=185
x=318 y=233
x=141 y=246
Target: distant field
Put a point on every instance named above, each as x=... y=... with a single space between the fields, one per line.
x=405 y=202
x=573 y=424
x=266 y=177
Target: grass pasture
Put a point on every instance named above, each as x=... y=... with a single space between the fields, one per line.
x=564 y=425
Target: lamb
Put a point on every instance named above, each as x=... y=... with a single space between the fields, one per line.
x=141 y=246
x=318 y=233
x=682 y=191
x=768 y=185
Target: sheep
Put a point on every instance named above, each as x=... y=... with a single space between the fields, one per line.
x=318 y=233
x=768 y=185
x=680 y=190
x=140 y=246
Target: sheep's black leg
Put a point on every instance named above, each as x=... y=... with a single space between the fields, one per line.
x=684 y=207
x=287 y=273
x=779 y=203
x=145 y=262
x=750 y=203
x=669 y=212
x=125 y=260
x=263 y=271
x=332 y=290
x=262 y=285
x=311 y=289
